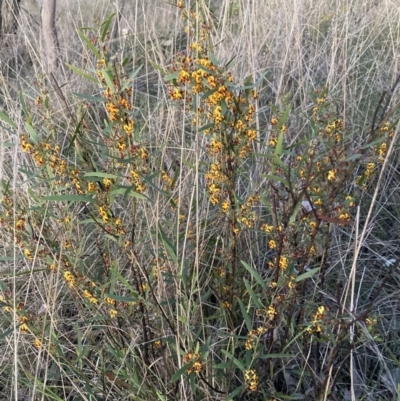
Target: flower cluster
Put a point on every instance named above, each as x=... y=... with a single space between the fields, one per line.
x=194 y=359
x=251 y=379
x=317 y=321
x=253 y=337
x=223 y=113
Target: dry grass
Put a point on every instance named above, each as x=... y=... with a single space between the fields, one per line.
x=299 y=46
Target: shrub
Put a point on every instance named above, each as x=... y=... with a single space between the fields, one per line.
x=208 y=278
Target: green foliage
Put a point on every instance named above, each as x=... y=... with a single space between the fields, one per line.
x=158 y=268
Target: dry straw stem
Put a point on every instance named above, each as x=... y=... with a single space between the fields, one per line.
x=302 y=45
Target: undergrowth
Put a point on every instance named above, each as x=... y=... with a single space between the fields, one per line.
x=218 y=263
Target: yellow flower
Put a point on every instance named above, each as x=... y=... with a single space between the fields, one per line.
x=91 y=187
x=107 y=182
x=271 y=312
x=251 y=134
x=240 y=125
x=251 y=379
x=215 y=146
x=267 y=228
x=176 y=94
x=272 y=244
x=249 y=344
x=69 y=278
x=225 y=206
x=183 y=76
x=90 y=297
x=344 y=216
x=350 y=200
x=283 y=262
x=332 y=175
x=370 y=168
x=129 y=126
x=28 y=254
x=217 y=114
x=273 y=142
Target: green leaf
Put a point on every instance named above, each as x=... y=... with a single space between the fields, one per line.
x=6 y=119
x=207 y=126
x=9 y=258
x=272 y=356
x=356 y=156
x=121 y=298
x=90 y=98
x=224 y=365
x=32 y=133
x=233 y=359
x=157 y=67
x=83 y=74
x=23 y=105
x=230 y=62
x=307 y=275
x=249 y=84
x=254 y=274
x=76 y=132
x=276 y=178
x=109 y=80
x=260 y=79
x=89 y=44
x=172 y=76
x=245 y=315
x=4 y=334
x=213 y=59
x=234 y=393
x=124 y=281
x=106 y=25
x=177 y=375
x=128 y=191
x=253 y=295
x=3 y=286
x=100 y=175
x=67 y=198
x=168 y=245
x=131 y=78
x=295 y=212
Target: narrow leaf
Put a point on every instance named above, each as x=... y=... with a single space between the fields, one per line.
x=90 y=98
x=128 y=192
x=89 y=44
x=254 y=274
x=100 y=174
x=67 y=198
x=295 y=212
x=233 y=359
x=82 y=74
x=172 y=76
x=307 y=275
x=121 y=298
x=109 y=80
x=168 y=245
x=177 y=375
x=106 y=25
x=6 y=119
x=131 y=77
x=253 y=295
x=245 y=315
x=4 y=334
x=32 y=133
